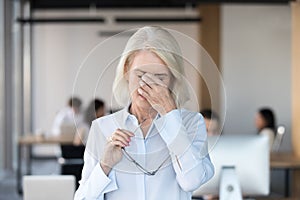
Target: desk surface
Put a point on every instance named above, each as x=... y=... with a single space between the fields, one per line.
x=39 y=139
x=273 y=198
x=285 y=160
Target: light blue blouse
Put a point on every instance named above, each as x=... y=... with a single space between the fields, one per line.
x=179 y=135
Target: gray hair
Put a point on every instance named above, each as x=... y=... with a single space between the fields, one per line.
x=165 y=46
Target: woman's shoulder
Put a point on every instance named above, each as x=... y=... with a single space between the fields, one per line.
x=105 y=125
x=184 y=113
x=104 y=118
x=267 y=131
x=109 y=118
x=188 y=115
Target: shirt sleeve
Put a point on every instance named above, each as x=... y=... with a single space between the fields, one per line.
x=94 y=183
x=186 y=138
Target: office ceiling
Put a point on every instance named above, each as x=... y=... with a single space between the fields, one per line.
x=71 y=4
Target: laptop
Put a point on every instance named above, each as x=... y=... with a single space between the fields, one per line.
x=49 y=187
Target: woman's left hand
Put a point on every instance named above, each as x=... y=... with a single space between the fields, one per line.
x=157 y=93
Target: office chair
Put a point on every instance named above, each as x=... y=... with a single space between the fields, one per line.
x=278 y=138
x=48 y=187
x=71 y=161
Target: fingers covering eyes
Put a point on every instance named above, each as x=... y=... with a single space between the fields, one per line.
x=150 y=79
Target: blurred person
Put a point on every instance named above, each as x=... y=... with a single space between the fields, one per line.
x=211 y=121
x=95 y=109
x=265 y=123
x=151 y=148
x=68 y=116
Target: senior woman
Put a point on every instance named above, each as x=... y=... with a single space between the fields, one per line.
x=152 y=149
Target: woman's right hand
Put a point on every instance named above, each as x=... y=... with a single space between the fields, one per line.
x=113 y=149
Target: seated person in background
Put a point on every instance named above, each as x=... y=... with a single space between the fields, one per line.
x=265 y=124
x=211 y=121
x=95 y=109
x=69 y=116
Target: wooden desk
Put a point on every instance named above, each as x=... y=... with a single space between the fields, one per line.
x=27 y=141
x=285 y=160
x=270 y=198
x=290 y=163
x=38 y=139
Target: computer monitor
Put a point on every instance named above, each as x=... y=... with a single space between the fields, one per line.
x=248 y=154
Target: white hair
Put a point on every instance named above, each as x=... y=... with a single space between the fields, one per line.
x=165 y=46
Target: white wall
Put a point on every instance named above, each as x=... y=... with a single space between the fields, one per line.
x=59 y=50
x=256 y=51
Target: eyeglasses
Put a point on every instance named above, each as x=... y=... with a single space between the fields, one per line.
x=139 y=166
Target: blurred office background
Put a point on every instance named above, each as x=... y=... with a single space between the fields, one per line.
x=44 y=42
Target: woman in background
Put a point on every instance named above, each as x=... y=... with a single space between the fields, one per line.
x=265 y=124
x=211 y=120
x=95 y=109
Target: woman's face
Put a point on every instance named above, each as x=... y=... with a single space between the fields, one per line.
x=259 y=121
x=145 y=62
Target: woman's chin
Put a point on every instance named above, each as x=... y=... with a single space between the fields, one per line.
x=142 y=98
x=142 y=101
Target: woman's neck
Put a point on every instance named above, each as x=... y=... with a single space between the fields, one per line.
x=143 y=114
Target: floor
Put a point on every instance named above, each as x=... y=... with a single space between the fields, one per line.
x=8 y=182
x=8 y=189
